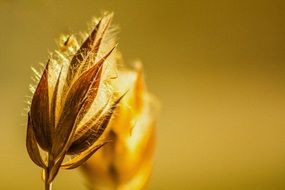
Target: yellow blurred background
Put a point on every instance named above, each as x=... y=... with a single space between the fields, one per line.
x=217 y=67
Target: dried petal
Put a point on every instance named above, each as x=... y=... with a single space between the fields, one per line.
x=83 y=157
x=53 y=103
x=105 y=26
x=89 y=47
x=80 y=55
x=92 y=133
x=32 y=146
x=91 y=95
x=84 y=129
x=40 y=112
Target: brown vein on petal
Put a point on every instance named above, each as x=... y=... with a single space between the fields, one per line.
x=40 y=112
x=83 y=157
x=53 y=104
x=32 y=146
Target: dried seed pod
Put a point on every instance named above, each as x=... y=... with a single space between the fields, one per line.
x=71 y=90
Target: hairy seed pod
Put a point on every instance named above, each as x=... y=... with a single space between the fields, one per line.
x=73 y=103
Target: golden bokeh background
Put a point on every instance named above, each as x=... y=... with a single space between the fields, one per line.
x=217 y=67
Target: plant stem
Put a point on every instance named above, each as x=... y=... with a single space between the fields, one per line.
x=48 y=185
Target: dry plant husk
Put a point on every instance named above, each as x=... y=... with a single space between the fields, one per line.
x=73 y=102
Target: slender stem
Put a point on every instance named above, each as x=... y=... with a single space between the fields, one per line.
x=48 y=186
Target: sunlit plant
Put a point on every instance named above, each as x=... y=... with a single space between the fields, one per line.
x=78 y=106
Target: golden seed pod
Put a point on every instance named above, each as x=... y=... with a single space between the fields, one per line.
x=65 y=116
x=126 y=162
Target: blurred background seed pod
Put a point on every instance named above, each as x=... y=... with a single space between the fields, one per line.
x=126 y=162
